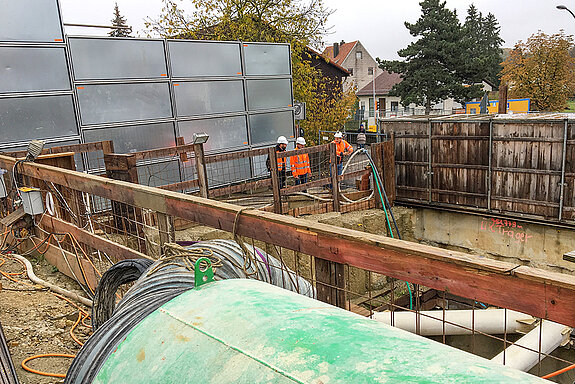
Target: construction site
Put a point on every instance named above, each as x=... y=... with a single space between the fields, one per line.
x=150 y=230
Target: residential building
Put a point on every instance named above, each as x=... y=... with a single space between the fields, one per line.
x=354 y=58
x=328 y=68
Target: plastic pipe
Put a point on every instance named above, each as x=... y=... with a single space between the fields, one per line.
x=552 y=336
x=490 y=321
x=52 y=287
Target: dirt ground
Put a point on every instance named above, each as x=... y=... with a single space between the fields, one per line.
x=37 y=322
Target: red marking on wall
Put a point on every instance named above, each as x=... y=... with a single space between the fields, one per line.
x=506 y=228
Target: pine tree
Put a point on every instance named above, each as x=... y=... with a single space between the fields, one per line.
x=119 y=21
x=484 y=42
x=435 y=67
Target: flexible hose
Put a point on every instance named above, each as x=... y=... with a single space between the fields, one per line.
x=52 y=287
x=361 y=150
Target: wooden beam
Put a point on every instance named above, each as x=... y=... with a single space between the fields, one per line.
x=163 y=152
x=201 y=170
x=276 y=187
x=115 y=251
x=389 y=168
x=182 y=185
x=334 y=177
x=217 y=192
x=63 y=260
x=548 y=295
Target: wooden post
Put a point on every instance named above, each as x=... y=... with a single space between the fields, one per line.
x=334 y=177
x=107 y=146
x=275 y=180
x=179 y=142
x=377 y=156
x=166 y=230
x=389 y=168
x=502 y=99
x=330 y=282
x=201 y=170
x=128 y=219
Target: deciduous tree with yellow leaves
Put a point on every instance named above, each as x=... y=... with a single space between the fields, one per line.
x=296 y=22
x=541 y=69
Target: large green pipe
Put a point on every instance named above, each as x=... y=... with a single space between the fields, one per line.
x=247 y=331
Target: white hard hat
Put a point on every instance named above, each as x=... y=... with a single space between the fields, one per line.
x=300 y=140
x=338 y=134
x=282 y=140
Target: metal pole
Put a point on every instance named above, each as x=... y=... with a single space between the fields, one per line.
x=490 y=165
x=563 y=159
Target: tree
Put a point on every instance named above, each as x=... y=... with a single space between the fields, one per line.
x=119 y=21
x=484 y=42
x=542 y=70
x=285 y=21
x=435 y=67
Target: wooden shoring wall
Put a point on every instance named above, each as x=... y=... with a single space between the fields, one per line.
x=513 y=167
x=539 y=293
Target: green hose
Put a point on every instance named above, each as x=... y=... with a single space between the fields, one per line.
x=389 y=224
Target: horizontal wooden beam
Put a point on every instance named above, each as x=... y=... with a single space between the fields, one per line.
x=164 y=152
x=181 y=185
x=548 y=295
x=115 y=251
x=217 y=192
x=76 y=148
x=236 y=155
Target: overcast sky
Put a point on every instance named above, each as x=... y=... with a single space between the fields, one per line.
x=378 y=24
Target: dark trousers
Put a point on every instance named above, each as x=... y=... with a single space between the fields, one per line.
x=282 y=178
x=301 y=179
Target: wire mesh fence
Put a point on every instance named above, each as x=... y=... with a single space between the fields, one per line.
x=85 y=217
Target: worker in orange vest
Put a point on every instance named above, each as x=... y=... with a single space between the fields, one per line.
x=299 y=164
x=281 y=146
x=342 y=148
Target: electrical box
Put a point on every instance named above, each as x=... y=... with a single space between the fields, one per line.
x=31 y=200
x=3 y=189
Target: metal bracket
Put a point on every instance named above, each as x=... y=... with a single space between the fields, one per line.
x=205 y=275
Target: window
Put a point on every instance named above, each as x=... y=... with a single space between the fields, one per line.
x=359 y=55
x=350 y=70
x=394 y=105
x=371 y=108
x=370 y=70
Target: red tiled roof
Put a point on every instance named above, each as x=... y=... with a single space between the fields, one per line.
x=383 y=84
x=328 y=60
x=344 y=50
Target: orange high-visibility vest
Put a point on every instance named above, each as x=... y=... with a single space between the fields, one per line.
x=299 y=165
x=342 y=146
x=281 y=163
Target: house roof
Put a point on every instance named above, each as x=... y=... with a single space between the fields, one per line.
x=328 y=60
x=344 y=50
x=383 y=84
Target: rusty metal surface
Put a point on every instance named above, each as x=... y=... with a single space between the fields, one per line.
x=7 y=371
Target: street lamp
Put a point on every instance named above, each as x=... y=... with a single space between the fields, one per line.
x=562 y=7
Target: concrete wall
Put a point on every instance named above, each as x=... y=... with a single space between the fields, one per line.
x=530 y=244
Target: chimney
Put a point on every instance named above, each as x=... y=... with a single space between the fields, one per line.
x=335 y=50
x=342 y=43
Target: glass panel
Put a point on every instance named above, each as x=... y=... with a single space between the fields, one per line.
x=266 y=127
x=134 y=138
x=155 y=175
x=267 y=94
x=226 y=172
x=123 y=102
x=224 y=132
x=203 y=97
x=194 y=58
x=267 y=59
x=117 y=58
x=33 y=69
x=42 y=117
x=30 y=20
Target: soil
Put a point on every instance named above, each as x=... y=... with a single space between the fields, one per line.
x=37 y=322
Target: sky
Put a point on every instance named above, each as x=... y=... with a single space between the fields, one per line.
x=378 y=24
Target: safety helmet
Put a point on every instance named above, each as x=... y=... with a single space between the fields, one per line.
x=300 y=140
x=338 y=134
x=282 y=140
